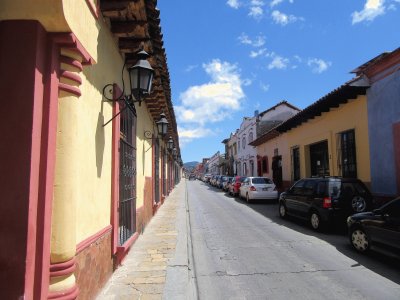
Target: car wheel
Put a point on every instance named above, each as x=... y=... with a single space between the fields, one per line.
x=359 y=240
x=358 y=204
x=315 y=220
x=282 y=210
x=247 y=198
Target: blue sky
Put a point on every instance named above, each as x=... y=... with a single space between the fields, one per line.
x=229 y=58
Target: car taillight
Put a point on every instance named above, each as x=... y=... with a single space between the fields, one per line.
x=252 y=188
x=327 y=202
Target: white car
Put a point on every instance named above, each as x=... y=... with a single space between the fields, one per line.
x=258 y=188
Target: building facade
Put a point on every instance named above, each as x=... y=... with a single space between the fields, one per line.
x=324 y=139
x=383 y=101
x=248 y=162
x=85 y=168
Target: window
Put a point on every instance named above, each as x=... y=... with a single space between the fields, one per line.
x=309 y=188
x=346 y=150
x=251 y=168
x=297 y=188
x=262 y=180
x=250 y=136
x=244 y=142
x=238 y=145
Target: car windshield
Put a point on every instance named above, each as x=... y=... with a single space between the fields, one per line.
x=261 y=180
x=241 y=179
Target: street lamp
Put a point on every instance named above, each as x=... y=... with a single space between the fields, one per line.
x=162 y=125
x=170 y=143
x=141 y=76
x=140 y=79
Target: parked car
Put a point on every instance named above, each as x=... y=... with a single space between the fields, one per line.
x=213 y=180
x=235 y=185
x=206 y=178
x=225 y=183
x=258 y=188
x=379 y=229
x=192 y=177
x=323 y=200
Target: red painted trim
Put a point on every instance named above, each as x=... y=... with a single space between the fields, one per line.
x=156 y=206
x=71 y=76
x=140 y=209
x=72 y=62
x=63 y=269
x=153 y=167
x=123 y=250
x=90 y=240
x=69 y=294
x=115 y=171
x=69 y=41
x=93 y=9
x=70 y=89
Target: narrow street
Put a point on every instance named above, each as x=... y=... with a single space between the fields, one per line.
x=245 y=251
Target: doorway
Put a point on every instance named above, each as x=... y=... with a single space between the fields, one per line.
x=319 y=159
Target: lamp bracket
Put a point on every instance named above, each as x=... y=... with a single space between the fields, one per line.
x=128 y=105
x=148 y=134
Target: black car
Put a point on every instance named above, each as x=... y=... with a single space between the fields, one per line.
x=323 y=200
x=379 y=229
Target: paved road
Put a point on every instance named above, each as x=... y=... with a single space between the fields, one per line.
x=244 y=251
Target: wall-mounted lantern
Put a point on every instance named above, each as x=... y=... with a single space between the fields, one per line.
x=140 y=79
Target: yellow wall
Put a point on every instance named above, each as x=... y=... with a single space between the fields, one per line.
x=144 y=162
x=92 y=159
x=49 y=12
x=94 y=203
x=352 y=115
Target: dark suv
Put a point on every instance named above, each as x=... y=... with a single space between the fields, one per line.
x=324 y=200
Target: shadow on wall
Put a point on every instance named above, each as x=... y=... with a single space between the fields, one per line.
x=100 y=142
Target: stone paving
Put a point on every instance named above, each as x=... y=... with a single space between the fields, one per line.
x=143 y=273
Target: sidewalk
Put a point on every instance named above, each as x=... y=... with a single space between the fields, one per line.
x=158 y=264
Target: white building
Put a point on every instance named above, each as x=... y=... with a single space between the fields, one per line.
x=251 y=128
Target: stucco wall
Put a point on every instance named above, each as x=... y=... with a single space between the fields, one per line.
x=383 y=111
x=267 y=149
x=93 y=206
x=324 y=127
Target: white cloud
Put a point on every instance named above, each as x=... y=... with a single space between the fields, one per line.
x=264 y=87
x=190 y=68
x=284 y=19
x=259 y=40
x=233 y=3
x=298 y=58
x=247 y=81
x=371 y=10
x=256 y=12
x=213 y=101
x=187 y=134
x=318 y=65
x=275 y=2
x=278 y=62
x=254 y=54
